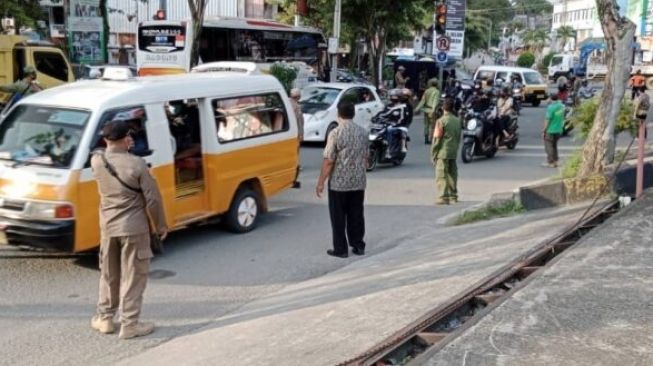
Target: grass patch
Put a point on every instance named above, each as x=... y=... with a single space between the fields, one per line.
x=506 y=209
x=572 y=165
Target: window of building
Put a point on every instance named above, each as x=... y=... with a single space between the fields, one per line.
x=249 y=116
x=51 y=64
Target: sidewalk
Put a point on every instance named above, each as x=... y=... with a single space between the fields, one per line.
x=335 y=317
x=592 y=307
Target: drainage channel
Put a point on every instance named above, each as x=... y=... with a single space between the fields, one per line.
x=423 y=338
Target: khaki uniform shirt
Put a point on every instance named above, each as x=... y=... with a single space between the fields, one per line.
x=400 y=80
x=347 y=148
x=20 y=86
x=446 y=147
x=124 y=212
x=430 y=100
x=300 y=118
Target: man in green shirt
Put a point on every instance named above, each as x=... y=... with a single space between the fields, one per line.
x=25 y=86
x=446 y=141
x=430 y=100
x=553 y=126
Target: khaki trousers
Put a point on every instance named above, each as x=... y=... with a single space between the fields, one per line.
x=124 y=266
x=429 y=125
x=446 y=178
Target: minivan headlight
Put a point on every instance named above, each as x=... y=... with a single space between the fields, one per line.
x=48 y=211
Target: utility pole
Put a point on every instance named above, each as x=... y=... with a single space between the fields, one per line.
x=163 y=5
x=336 y=35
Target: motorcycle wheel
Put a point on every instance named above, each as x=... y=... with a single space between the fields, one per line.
x=398 y=161
x=490 y=153
x=372 y=159
x=467 y=153
x=511 y=145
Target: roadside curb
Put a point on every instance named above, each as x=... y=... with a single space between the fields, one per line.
x=496 y=200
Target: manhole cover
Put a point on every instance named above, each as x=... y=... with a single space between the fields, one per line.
x=158 y=274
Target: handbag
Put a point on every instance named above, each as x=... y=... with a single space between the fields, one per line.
x=156 y=244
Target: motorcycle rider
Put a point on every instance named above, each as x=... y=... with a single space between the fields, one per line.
x=429 y=101
x=396 y=115
x=481 y=101
x=504 y=111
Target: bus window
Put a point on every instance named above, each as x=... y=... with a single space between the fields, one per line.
x=214 y=45
x=249 y=45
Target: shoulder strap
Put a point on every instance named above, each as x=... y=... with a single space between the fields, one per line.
x=113 y=172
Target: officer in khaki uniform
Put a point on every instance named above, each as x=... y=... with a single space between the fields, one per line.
x=128 y=193
x=429 y=102
x=446 y=141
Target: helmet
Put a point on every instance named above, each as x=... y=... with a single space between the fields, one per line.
x=29 y=69
x=401 y=68
x=406 y=93
x=395 y=94
x=433 y=83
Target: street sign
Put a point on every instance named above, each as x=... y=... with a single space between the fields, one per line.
x=441 y=57
x=443 y=43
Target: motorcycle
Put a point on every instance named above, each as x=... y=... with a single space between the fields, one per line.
x=478 y=134
x=379 y=145
x=512 y=126
x=517 y=99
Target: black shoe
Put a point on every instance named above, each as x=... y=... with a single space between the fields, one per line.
x=426 y=140
x=333 y=253
x=358 y=251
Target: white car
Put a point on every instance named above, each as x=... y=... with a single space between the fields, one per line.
x=319 y=105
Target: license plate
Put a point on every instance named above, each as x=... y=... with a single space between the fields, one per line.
x=541 y=96
x=3 y=238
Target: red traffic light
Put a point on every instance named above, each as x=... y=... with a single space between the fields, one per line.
x=160 y=15
x=441 y=9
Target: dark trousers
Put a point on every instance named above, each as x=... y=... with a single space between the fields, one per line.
x=551 y=147
x=347 y=220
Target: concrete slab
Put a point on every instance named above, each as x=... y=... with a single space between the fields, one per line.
x=333 y=318
x=591 y=307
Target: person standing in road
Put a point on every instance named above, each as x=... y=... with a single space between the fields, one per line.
x=400 y=79
x=641 y=107
x=295 y=95
x=344 y=165
x=24 y=87
x=637 y=83
x=553 y=126
x=446 y=141
x=429 y=102
x=128 y=195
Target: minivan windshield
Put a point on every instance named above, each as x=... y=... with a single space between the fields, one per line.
x=532 y=78
x=318 y=99
x=48 y=136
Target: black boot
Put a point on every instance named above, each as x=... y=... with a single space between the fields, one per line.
x=426 y=140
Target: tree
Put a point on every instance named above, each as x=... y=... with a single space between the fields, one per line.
x=197 y=9
x=526 y=59
x=564 y=33
x=598 y=150
x=477 y=30
x=24 y=12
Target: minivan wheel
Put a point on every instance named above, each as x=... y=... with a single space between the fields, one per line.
x=243 y=213
x=329 y=129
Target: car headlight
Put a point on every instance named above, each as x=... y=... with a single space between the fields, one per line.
x=373 y=137
x=471 y=124
x=48 y=211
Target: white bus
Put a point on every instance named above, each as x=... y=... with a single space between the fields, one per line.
x=164 y=46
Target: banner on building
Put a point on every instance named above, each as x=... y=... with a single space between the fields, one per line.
x=85 y=32
x=456 y=27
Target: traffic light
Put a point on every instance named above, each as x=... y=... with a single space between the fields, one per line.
x=440 y=19
x=160 y=15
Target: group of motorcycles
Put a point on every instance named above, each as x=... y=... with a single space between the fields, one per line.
x=388 y=137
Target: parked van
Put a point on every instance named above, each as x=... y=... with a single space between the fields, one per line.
x=535 y=87
x=218 y=144
x=16 y=52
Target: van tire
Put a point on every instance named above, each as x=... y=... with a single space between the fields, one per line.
x=649 y=83
x=332 y=126
x=536 y=103
x=244 y=211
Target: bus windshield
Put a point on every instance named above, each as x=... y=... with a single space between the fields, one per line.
x=161 y=38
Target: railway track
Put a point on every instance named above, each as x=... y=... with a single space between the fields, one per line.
x=423 y=338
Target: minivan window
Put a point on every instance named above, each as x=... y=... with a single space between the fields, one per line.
x=533 y=78
x=249 y=116
x=136 y=118
x=47 y=136
x=485 y=74
x=51 y=64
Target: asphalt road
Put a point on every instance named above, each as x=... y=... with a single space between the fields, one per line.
x=46 y=301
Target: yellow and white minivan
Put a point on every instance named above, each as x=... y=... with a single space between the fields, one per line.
x=218 y=144
x=535 y=88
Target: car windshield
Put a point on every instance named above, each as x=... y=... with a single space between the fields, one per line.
x=42 y=135
x=556 y=61
x=318 y=99
x=533 y=78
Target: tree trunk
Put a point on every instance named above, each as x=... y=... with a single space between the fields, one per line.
x=197 y=8
x=598 y=150
x=104 y=12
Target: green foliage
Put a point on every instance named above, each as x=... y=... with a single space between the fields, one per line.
x=490 y=212
x=546 y=61
x=25 y=12
x=584 y=114
x=566 y=32
x=285 y=74
x=526 y=59
x=572 y=165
